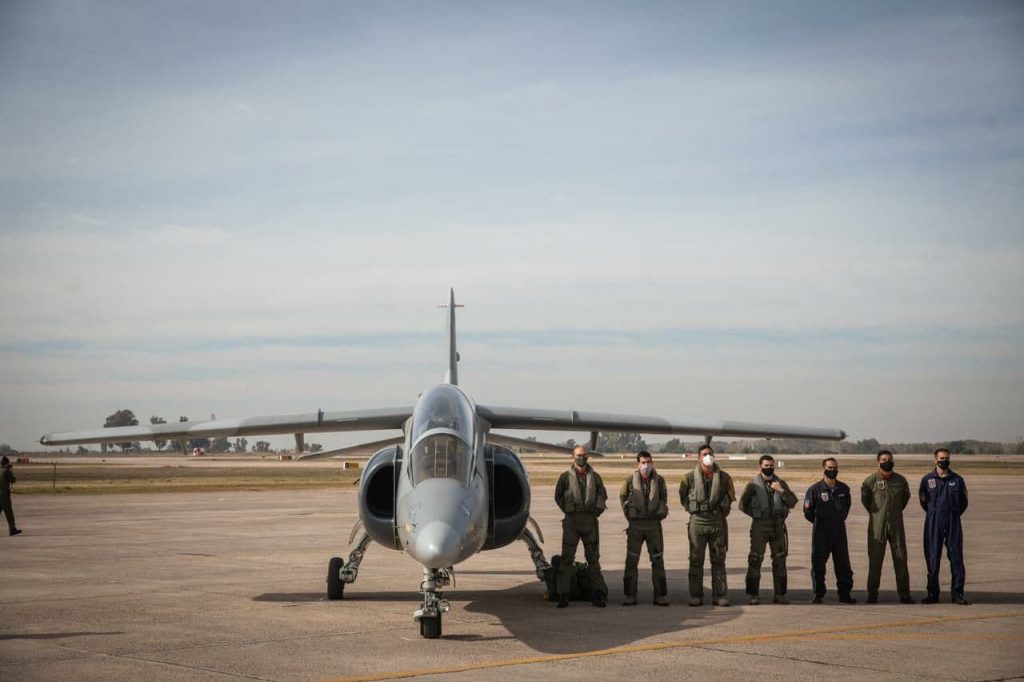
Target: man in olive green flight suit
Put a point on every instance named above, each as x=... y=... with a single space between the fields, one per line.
x=767 y=500
x=707 y=493
x=581 y=496
x=644 y=499
x=885 y=495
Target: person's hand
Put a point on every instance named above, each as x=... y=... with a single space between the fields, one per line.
x=776 y=486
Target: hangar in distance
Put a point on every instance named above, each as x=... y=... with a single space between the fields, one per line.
x=445 y=486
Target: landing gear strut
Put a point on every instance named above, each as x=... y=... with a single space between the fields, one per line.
x=340 y=572
x=434 y=603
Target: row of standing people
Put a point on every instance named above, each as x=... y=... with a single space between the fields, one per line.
x=707 y=493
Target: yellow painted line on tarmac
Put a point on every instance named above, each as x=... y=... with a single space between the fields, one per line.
x=923 y=636
x=659 y=646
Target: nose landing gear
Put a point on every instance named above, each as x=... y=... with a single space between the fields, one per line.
x=434 y=603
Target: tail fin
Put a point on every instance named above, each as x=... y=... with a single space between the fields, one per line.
x=452 y=375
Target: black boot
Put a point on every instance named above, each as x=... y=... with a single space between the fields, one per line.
x=597 y=599
x=563 y=600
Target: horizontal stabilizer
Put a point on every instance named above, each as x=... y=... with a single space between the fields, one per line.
x=539 y=446
x=367 y=448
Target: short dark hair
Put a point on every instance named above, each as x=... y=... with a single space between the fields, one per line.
x=765 y=458
x=829 y=459
x=642 y=454
x=883 y=452
x=4 y=461
x=704 y=447
x=938 y=450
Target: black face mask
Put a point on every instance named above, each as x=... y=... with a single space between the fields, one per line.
x=831 y=473
x=943 y=463
x=886 y=466
x=768 y=471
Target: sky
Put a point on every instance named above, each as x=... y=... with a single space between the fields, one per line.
x=809 y=213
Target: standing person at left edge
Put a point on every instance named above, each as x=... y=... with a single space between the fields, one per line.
x=6 y=479
x=767 y=500
x=943 y=496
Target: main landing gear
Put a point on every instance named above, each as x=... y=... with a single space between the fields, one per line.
x=339 y=572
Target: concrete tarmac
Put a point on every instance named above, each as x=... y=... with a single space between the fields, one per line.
x=220 y=586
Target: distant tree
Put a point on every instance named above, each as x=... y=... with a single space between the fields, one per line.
x=221 y=444
x=82 y=450
x=620 y=442
x=315 y=447
x=673 y=445
x=261 y=446
x=6 y=449
x=158 y=420
x=122 y=418
x=241 y=444
x=570 y=443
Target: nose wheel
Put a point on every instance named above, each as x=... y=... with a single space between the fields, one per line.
x=434 y=603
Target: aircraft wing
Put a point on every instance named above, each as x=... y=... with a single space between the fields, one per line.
x=313 y=422
x=572 y=420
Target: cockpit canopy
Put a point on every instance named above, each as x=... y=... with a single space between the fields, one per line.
x=442 y=435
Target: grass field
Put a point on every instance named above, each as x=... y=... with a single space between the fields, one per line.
x=140 y=475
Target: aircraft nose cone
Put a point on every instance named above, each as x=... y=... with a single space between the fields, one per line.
x=437 y=545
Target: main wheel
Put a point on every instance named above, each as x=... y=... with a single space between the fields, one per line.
x=335 y=586
x=430 y=627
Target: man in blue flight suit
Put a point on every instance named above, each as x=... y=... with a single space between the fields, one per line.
x=826 y=505
x=943 y=496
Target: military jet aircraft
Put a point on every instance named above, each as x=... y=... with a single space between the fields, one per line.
x=448 y=486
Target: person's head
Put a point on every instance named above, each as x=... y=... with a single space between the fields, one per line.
x=644 y=462
x=4 y=461
x=767 y=464
x=579 y=456
x=707 y=455
x=830 y=468
x=885 y=462
x=942 y=458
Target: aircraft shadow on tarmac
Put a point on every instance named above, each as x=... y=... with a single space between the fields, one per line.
x=530 y=619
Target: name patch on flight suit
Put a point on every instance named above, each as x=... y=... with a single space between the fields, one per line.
x=931 y=482
x=824 y=497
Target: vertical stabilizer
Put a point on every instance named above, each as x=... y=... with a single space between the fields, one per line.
x=452 y=375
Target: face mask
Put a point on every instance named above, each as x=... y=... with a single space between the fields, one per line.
x=943 y=463
x=886 y=466
x=768 y=471
x=831 y=473
x=581 y=462
x=645 y=469
x=708 y=460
